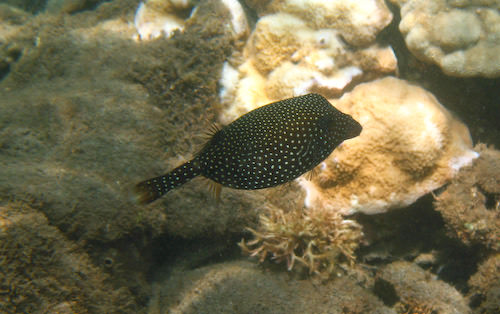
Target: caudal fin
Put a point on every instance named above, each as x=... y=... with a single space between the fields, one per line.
x=152 y=189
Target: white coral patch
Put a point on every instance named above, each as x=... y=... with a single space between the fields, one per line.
x=334 y=83
x=228 y=81
x=238 y=19
x=463 y=160
x=151 y=24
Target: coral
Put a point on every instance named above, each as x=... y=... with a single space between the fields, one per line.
x=408 y=287
x=289 y=54
x=470 y=205
x=358 y=21
x=321 y=240
x=462 y=37
x=43 y=272
x=410 y=145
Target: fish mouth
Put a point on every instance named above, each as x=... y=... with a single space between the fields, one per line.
x=354 y=129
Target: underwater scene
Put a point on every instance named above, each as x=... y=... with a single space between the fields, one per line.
x=250 y=156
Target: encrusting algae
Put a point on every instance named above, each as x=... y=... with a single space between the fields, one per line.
x=316 y=238
x=268 y=146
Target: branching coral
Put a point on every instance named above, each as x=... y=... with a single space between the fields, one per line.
x=319 y=239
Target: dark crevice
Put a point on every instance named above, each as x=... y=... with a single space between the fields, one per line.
x=4 y=70
x=386 y=292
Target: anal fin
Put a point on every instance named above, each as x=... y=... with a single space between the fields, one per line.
x=215 y=189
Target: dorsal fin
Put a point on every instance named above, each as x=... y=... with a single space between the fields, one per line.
x=213 y=129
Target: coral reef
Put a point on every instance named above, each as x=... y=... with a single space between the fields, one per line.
x=409 y=140
x=87 y=110
x=320 y=240
x=406 y=286
x=241 y=287
x=44 y=272
x=462 y=37
x=290 y=54
x=470 y=205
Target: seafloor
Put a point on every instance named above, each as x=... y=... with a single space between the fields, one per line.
x=86 y=111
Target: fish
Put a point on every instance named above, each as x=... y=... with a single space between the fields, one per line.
x=268 y=146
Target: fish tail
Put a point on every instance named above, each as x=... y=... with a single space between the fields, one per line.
x=152 y=189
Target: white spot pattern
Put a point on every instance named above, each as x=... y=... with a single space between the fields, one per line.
x=275 y=143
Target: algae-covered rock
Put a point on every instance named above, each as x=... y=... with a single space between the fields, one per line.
x=87 y=112
x=44 y=272
x=470 y=205
x=484 y=293
x=409 y=288
x=241 y=287
x=70 y=126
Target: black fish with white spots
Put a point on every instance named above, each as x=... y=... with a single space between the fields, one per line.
x=268 y=146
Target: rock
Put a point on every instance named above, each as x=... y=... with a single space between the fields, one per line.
x=411 y=289
x=66 y=6
x=484 y=285
x=241 y=287
x=44 y=272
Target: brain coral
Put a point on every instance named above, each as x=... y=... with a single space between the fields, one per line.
x=410 y=145
x=461 y=36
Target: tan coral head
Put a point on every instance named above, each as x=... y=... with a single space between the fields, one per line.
x=410 y=145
